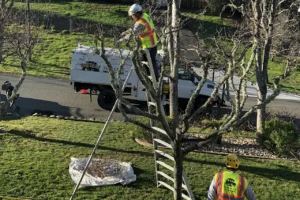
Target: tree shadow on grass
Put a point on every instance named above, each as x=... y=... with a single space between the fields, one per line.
x=31 y=135
x=282 y=173
x=206 y=29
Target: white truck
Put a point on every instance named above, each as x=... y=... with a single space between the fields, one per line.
x=89 y=71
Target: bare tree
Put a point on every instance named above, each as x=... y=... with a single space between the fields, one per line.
x=20 y=46
x=233 y=58
x=261 y=16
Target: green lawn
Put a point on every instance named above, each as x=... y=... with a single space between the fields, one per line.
x=35 y=153
x=105 y=13
x=52 y=56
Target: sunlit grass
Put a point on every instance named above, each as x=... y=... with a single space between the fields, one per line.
x=35 y=153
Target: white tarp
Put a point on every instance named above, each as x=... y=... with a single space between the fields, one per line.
x=101 y=172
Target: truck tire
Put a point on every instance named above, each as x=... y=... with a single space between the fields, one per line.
x=199 y=102
x=106 y=99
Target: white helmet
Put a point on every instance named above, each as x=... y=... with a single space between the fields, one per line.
x=134 y=9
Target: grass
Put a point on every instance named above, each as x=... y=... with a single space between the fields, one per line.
x=35 y=153
x=104 y=13
x=52 y=56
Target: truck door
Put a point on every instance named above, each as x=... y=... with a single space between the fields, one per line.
x=140 y=95
x=186 y=87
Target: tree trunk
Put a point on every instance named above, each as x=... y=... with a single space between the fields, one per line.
x=174 y=63
x=178 y=167
x=28 y=56
x=261 y=117
x=1 y=43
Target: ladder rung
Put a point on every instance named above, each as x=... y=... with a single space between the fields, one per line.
x=163 y=143
x=166 y=185
x=151 y=103
x=165 y=165
x=170 y=178
x=165 y=155
x=166 y=176
x=159 y=130
x=172 y=189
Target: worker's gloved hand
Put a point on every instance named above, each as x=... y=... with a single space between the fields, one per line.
x=129 y=31
x=119 y=41
x=123 y=34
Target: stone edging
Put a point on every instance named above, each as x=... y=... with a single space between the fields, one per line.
x=147 y=144
x=72 y=118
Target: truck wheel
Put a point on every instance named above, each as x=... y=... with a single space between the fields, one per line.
x=199 y=102
x=106 y=99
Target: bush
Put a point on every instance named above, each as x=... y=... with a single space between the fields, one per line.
x=280 y=136
x=142 y=134
x=214 y=6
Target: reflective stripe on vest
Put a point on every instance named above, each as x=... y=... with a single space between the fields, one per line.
x=230 y=186
x=148 y=37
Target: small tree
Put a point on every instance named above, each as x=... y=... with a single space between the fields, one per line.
x=21 y=40
x=261 y=16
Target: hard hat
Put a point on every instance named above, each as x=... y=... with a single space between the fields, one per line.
x=134 y=9
x=232 y=161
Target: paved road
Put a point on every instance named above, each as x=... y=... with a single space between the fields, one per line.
x=58 y=96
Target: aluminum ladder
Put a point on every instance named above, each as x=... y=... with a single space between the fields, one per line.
x=160 y=166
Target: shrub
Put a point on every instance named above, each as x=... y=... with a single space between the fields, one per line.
x=52 y=29
x=142 y=134
x=214 y=6
x=43 y=27
x=65 y=32
x=280 y=136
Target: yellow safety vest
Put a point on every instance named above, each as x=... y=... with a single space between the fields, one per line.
x=230 y=186
x=148 y=37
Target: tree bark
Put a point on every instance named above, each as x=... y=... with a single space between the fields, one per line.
x=28 y=31
x=261 y=116
x=174 y=64
x=260 y=68
x=178 y=167
x=1 y=42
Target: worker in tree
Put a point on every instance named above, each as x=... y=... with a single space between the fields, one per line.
x=143 y=29
x=229 y=185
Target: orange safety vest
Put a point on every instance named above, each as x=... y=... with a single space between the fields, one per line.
x=230 y=186
x=148 y=37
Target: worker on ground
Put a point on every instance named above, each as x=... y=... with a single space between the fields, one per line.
x=229 y=185
x=143 y=29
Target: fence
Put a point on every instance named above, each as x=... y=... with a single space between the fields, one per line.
x=193 y=4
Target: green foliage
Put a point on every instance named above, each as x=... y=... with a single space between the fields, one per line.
x=145 y=135
x=52 y=29
x=211 y=123
x=65 y=32
x=214 y=6
x=280 y=136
